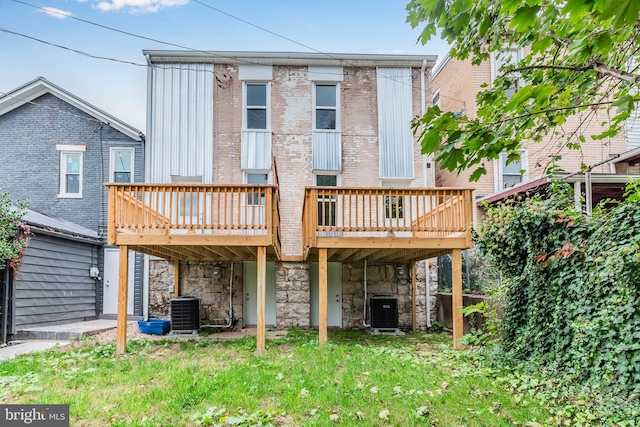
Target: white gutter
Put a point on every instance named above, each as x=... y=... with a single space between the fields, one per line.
x=147 y=175
x=425 y=183
x=364 y=311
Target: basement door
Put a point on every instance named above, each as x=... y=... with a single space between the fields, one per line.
x=250 y=286
x=110 y=281
x=334 y=290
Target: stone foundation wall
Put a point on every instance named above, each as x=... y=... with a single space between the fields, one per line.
x=383 y=280
x=293 y=291
x=293 y=295
x=197 y=279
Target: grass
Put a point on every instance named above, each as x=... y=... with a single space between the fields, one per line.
x=357 y=379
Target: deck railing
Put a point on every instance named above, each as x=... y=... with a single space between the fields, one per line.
x=391 y=212
x=193 y=209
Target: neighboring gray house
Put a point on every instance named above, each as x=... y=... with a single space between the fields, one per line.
x=59 y=150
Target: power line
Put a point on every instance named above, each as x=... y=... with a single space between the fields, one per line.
x=209 y=53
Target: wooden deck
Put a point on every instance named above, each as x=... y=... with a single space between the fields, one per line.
x=242 y=223
x=385 y=224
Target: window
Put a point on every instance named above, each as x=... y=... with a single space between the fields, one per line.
x=435 y=100
x=326 y=107
x=512 y=174
x=259 y=179
x=504 y=58
x=187 y=201
x=70 y=170
x=256 y=114
x=326 y=203
x=121 y=169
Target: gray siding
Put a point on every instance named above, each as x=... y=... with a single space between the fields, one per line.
x=394 y=122
x=28 y=136
x=53 y=284
x=181 y=128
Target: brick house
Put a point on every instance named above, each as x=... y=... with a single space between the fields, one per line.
x=286 y=188
x=454 y=85
x=59 y=151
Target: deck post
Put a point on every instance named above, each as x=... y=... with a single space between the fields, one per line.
x=323 y=296
x=123 y=292
x=176 y=278
x=261 y=297
x=414 y=317
x=456 y=298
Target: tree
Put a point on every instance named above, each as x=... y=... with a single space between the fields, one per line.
x=14 y=233
x=582 y=58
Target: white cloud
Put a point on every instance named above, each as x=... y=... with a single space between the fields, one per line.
x=56 y=13
x=138 y=6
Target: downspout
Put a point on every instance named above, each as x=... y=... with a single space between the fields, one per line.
x=364 y=311
x=425 y=183
x=147 y=175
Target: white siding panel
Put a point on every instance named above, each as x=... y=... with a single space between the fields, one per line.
x=394 y=122
x=256 y=150
x=181 y=139
x=327 y=151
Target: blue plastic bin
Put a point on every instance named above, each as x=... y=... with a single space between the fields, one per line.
x=154 y=326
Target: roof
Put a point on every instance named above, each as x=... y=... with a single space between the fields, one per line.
x=631 y=156
x=59 y=226
x=40 y=86
x=291 y=58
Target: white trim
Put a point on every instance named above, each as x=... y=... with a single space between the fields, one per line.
x=326 y=74
x=524 y=163
x=436 y=70
x=63 y=155
x=40 y=86
x=112 y=168
x=315 y=107
x=338 y=174
x=436 y=93
x=401 y=182
x=71 y=148
x=244 y=104
x=494 y=70
x=255 y=72
x=246 y=173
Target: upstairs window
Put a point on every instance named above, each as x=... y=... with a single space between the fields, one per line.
x=513 y=173
x=257 y=111
x=121 y=165
x=71 y=157
x=504 y=58
x=326 y=107
x=435 y=100
x=258 y=179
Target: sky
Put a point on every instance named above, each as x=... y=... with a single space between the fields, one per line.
x=331 y=26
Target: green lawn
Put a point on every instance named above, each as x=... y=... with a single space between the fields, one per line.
x=357 y=379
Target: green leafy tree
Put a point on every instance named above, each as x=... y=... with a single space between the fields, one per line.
x=14 y=233
x=582 y=58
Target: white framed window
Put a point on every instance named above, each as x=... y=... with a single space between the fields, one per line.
x=393 y=205
x=121 y=164
x=435 y=99
x=258 y=178
x=512 y=174
x=71 y=159
x=326 y=106
x=507 y=57
x=326 y=204
x=256 y=106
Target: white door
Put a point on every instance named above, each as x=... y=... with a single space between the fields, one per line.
x=250 y=285
x=253 y=206
x=110 y=281
x=334 y=291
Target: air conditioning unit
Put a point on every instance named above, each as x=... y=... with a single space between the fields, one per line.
x=384 y=314
x=185 y=315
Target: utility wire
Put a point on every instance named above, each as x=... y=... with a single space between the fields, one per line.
x=209 y=53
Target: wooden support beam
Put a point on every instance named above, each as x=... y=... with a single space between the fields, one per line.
x=363 y=253
x=331 y=253
x=123 y=292
x=261 y=297
x=414 y=316
x=456 y=298
x=346 y=253
x=322 y=293
x=176 y=278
